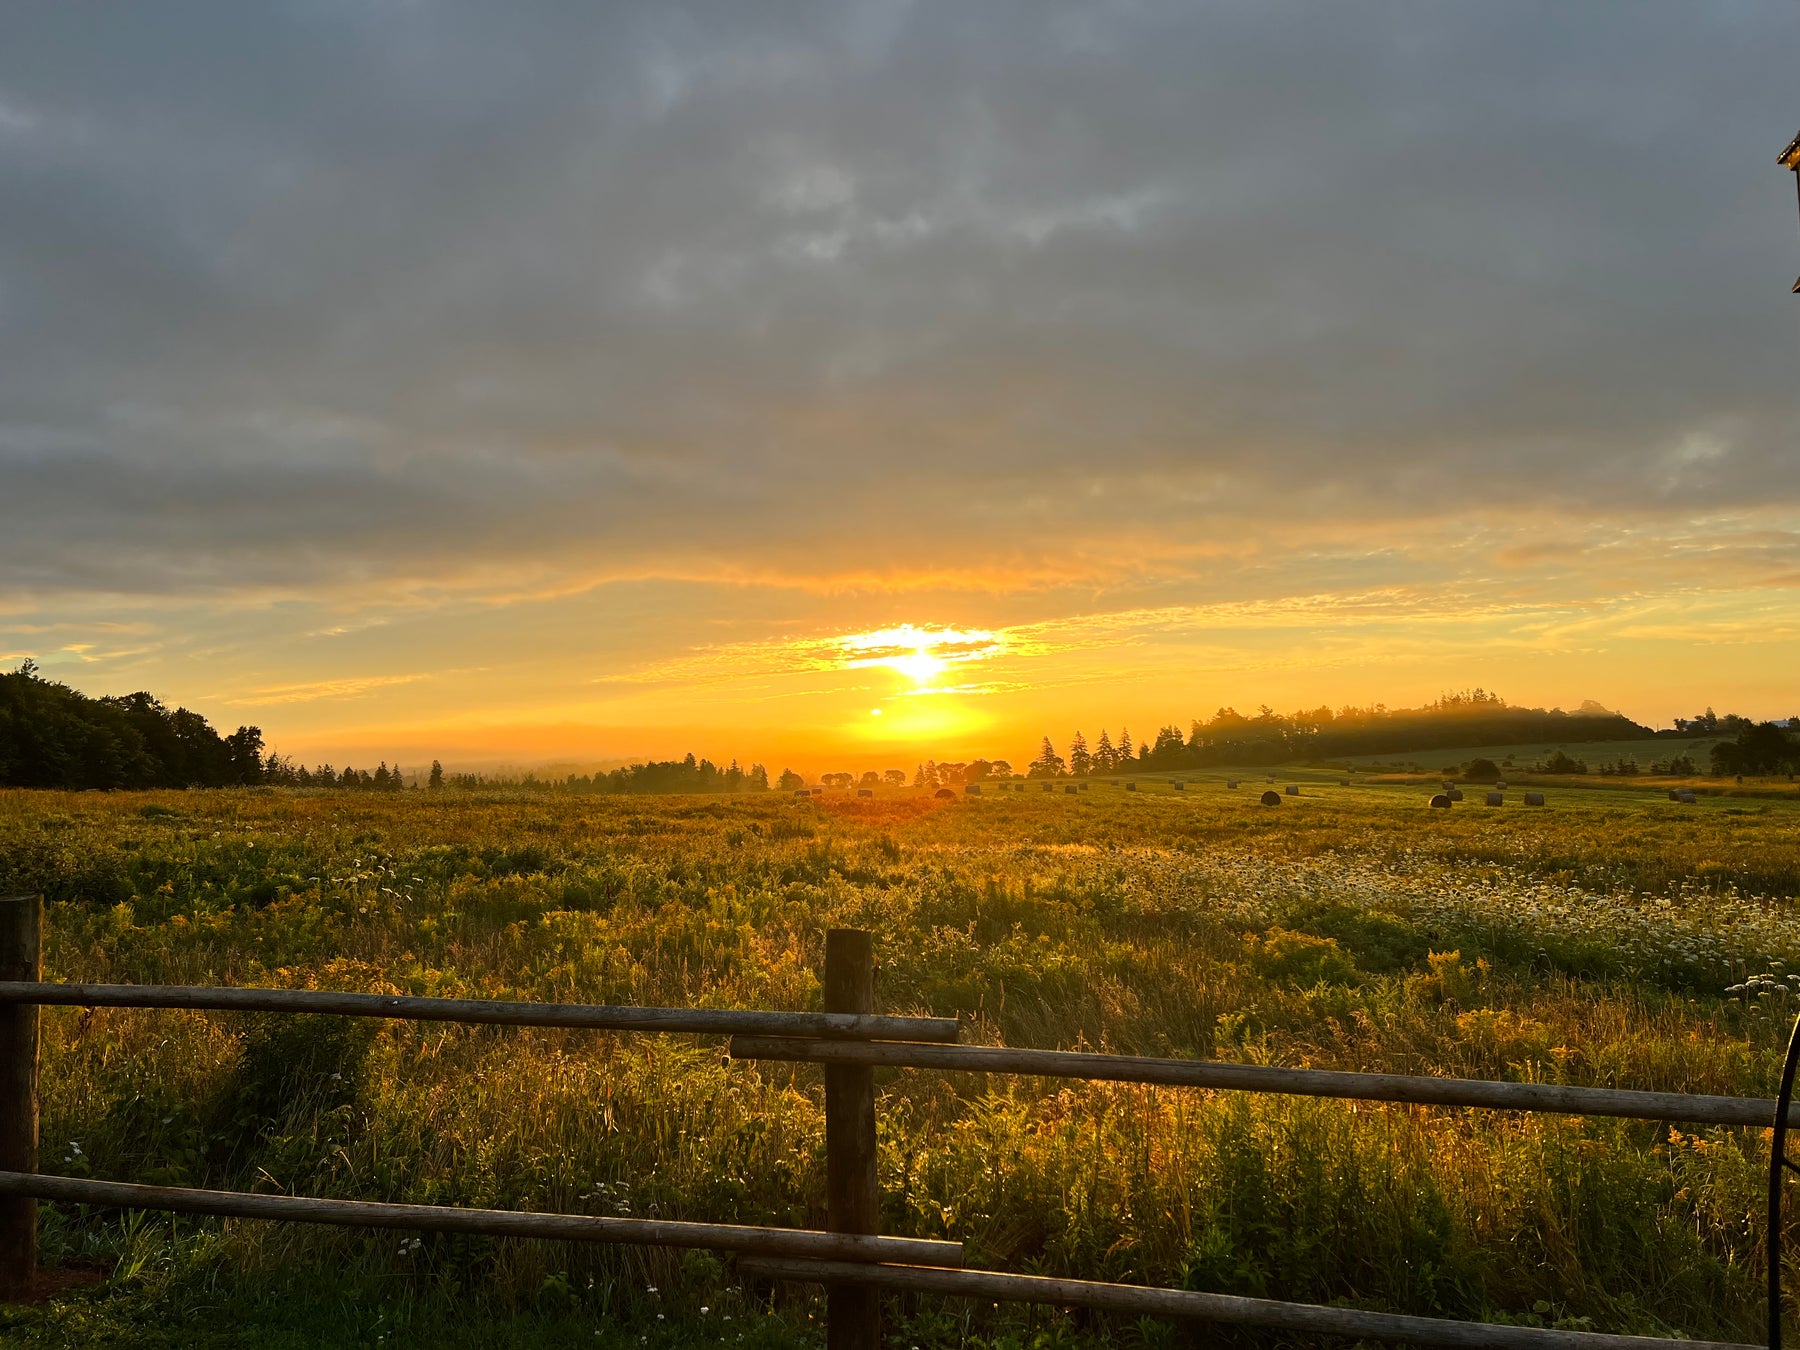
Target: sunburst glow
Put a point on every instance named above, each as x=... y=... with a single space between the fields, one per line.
x=920 y=654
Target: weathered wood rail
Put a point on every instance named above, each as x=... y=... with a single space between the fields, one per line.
x=850 y=1041
x=1685 y=1108
x=724 y=1237
x=480 y=1012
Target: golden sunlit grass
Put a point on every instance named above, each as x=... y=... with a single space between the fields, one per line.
x=1606 y=943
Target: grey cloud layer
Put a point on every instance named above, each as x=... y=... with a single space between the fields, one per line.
x=290 y=293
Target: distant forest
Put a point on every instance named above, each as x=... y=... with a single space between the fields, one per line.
x=667 y=775
x=52 y=736
x=1476 y=717
x=1471 y=718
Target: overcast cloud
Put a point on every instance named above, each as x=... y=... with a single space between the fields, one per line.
x=287 y=289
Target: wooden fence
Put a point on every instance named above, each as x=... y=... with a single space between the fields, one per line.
x=850 y=1040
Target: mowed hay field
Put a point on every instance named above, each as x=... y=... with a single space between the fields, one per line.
x=1612 y=938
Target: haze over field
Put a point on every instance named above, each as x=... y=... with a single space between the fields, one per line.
x=448 y=380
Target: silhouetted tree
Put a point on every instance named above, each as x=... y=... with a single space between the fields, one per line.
x=1081 y=763
x=1048 y=763
x=1104 y=754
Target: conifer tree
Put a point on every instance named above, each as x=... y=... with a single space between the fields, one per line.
x=1048 y=764
x=1081 y=763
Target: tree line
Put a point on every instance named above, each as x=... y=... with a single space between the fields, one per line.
x=1474 y=717
x=688 y=774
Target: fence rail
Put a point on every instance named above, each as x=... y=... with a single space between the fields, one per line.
x=480 y=1012
x=850 y=1041
x=1686 y=1108
x=723 y=1237
x=1305 y=1318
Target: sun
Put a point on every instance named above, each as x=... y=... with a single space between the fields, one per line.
x=920 y=654
x=919 y=666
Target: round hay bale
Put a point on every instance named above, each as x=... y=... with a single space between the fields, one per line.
x=973 y=789
x=1496 y=799
x=865 y=792
x=1071 y=788
x=1049 y=787
x=1534 y=799
x=1441 y=800
x=1501 y=785
x=1271 y=799
x=802 y=792
x=1686 y=796
x=1231 y=783
x=1084 y=787
x=945 y=792
x=1131 y=787
x=1178 y=785
x=1293 y=789
x=1454 y=794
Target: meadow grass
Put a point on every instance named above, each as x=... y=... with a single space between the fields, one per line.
x=1612 y=938
x=1520 y=758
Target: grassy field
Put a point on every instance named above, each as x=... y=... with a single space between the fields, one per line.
x=1593 y=753
x=1609 y=938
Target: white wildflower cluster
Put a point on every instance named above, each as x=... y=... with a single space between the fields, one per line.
x=1770 y=991
x=617 y=1194
x=1694 y=934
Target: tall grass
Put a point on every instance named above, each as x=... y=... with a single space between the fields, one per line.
x=1619 y=944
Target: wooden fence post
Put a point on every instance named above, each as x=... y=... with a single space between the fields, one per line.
x=21 y=958
x=853 y=1199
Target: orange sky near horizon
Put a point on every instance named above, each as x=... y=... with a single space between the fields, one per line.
x=781 y=683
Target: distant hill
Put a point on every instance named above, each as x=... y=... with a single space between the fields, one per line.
x=1455 y=720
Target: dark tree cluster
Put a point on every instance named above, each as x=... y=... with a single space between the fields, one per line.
x=52 y=736
x=282 y=773
x=1761 y=749
x=950 y=773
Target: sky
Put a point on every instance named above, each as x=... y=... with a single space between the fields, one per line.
x=838 y=384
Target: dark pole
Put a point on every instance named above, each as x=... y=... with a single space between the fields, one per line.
x=852 y=1311
x=1790 y=159
x=21 y=947
x=1778 y=1158
x=1778 y=1163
